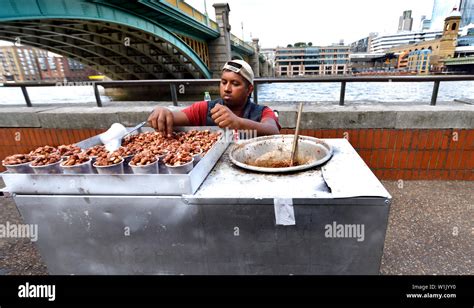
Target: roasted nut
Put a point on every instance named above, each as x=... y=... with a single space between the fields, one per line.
x=144 y=158
x=127 y=151
x=17 y=159
x=48 y=159
x=75 y=159
x=106 y=159
x=96 y=150
x=67 y=150
x=47 y=149
x=179 y=148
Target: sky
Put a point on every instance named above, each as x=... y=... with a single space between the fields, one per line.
x=322 y=22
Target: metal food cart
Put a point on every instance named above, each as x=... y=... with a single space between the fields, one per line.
x=218 y=219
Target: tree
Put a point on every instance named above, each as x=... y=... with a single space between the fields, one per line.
x=289 y=45
x=300 y=44
x=310 y=44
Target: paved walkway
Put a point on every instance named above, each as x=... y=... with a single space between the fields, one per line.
x=430 y=232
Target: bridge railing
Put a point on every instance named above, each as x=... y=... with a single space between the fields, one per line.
x=238 y=42
x=190 y=11
x=175 y=83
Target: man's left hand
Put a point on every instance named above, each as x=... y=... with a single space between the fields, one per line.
x=224 y=117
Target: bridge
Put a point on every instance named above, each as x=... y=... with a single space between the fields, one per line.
x=131 y=40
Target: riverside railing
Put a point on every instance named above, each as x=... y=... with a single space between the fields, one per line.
x=174 y=83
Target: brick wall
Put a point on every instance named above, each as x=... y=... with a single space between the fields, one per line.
x=392 y=154
x=410 y=154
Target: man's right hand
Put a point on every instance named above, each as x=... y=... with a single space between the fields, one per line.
x=161 y=119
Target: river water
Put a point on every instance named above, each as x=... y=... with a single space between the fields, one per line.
x=276 y=92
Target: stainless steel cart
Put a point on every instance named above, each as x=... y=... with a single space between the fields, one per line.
x=219 y=219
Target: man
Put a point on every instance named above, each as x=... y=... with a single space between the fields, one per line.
x=234 y=110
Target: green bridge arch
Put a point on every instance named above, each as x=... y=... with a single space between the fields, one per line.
x=115 y=41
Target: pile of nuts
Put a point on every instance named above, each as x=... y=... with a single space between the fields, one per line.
x=180 y=147
x=177 y=159
x=144 y=158
x=75 y=159
x=105 y=159
x=177 y=150
x=124 y=151
x=46 y=150
x=17 y=159
x=96 y=151
x=48 y=159
x=67 y=150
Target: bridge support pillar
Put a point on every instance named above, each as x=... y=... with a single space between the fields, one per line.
x=265 y=68
x=219 y=49
x=254 y=59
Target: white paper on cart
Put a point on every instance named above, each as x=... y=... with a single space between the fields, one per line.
x=284 y=212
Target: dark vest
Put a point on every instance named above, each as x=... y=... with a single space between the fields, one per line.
x=252 y=111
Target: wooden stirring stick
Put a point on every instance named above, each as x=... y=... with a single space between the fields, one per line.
x=297 y=132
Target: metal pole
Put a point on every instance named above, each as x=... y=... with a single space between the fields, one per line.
x=255 y=93
x=97 y=95
x=27 y=98
x=174 y=95
x=434 y=96
x=343 y=93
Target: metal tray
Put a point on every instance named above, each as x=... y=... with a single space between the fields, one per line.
x=123 y=184
x=311 y=151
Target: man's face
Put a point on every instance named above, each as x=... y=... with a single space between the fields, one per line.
x=234 y=89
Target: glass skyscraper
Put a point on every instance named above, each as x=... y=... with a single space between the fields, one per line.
x=441 y=10
x=467 y=11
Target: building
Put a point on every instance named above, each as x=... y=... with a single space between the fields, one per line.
x=269 y=53
x=363 y=45
x=419 y=61
x=441 y=9
x=19 y=63
x=76 y=71
x=425 y=23
x=51 y=68
x=9 y=67
x=467 y=12
x=383 y=43
x=314 y=60
x=463 y=61
x=430 y=56
x=405 y=22
x=362 y=63
x=29 y=64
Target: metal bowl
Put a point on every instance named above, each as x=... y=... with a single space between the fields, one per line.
x=264 y=154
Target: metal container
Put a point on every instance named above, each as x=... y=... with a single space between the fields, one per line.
x=84 y=168
x=126 y=167
x=162 y=169
x=147 y=169
x=121 y=184
x=93 y=159
x=197 y=158
x=183 y=169
x=19 y=168
x=262 y=153
x=48 y=169
x=110 y=170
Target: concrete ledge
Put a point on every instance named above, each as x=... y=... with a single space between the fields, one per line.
x=78 y=117
x=459 y=116
x=378 y=116
x=21 y=116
